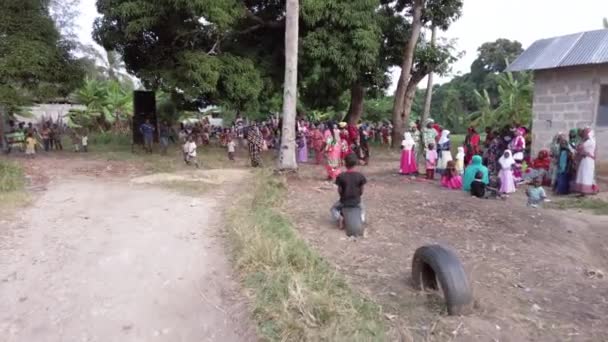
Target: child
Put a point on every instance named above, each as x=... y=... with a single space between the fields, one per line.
x=30 y=145
x=460 y=160
x=535 y=193
x=507 y=182
x=431 y=161
x=231 y=145
x=85 y=141
x=190 y=152
x=408 y=155
x=493 y=188
x=478 y=187
x=350 y=188
x=450 y=178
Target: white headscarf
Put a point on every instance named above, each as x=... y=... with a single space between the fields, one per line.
x=444 y=137
x=506 y=163
x=408 y=141
x=460 y=154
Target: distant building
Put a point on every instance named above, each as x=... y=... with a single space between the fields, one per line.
x=570 y=86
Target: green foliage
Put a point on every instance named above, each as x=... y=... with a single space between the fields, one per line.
x=107 y=102
x=515 y=102
x=35 y=62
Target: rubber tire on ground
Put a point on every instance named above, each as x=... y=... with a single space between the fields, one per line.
x=434 y=263
x=352 y=221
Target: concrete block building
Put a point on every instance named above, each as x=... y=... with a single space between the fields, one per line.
x=570 y=86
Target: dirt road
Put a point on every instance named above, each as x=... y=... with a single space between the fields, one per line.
x=101 y=260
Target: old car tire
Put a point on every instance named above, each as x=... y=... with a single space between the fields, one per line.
x=352 y=221
x=434 y=263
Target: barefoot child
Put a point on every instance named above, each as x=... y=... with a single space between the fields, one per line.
x=536 y=194
x=350 y=188
x=190 y=152
x=30 y=145
x=431 y=161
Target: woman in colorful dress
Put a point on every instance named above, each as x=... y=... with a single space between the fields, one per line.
x=563 y=169
x=408 y=164
x=555 y=152
x=517 y=147
x=255 y=142
x=317 y=142
x=333 y=152
x=451 y=179
x=585 y=174
x=444 y=151
x=471 y=145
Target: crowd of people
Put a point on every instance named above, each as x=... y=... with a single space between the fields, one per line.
x=47 y=136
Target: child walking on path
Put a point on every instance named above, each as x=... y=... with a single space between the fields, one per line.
x=507 y=182
x=30 y=145
x=231 y=146
x=190 y=152
x=431 y=162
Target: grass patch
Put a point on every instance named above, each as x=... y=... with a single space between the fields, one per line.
x=189 y=188
x=11 y=177
x=12 y=183
x=297 y=296
x=595 y=205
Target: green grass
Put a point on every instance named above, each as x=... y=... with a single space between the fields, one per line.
x=12 y=186
x=297 y=296
x=11 y=177
x=595 y=205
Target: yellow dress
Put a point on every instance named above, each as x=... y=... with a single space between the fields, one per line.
x=30 y=145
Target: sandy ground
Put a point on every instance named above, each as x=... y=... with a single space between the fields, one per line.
x=100 y=259
x=531 y=270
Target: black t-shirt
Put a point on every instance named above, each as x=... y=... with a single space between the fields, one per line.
x=478 y=188
x=350 y=187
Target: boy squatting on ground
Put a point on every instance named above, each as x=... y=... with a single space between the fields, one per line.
x=536 y=194
x=350 y=188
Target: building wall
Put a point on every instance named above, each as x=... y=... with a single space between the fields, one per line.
x=568 y=98
x=49 y=111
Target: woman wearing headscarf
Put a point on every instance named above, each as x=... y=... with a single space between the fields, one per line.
x=585 y=174
x=333 y=151
x=517 y=147
x=255 y=142
x=471 y=171
x=563 y=169
x=443 y=149
x=471 y=144
x=555 y=152
x=408 y=156
x=507 y=182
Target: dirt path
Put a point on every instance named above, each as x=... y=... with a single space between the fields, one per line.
x=530 y=269
x=101 y=260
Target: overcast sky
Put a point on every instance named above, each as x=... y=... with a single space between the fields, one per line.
x=483 y=21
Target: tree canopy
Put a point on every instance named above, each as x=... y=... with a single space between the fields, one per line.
x=36 y=63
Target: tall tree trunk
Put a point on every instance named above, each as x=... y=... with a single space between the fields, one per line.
x=410 y=95
x=3 y=146
x=406 y=69
x=429 y=88
x=355 y=111
x=287 y=156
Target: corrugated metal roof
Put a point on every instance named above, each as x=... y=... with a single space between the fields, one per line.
x=574 y=49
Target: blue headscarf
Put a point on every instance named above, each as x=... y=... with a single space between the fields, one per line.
x=471 y=170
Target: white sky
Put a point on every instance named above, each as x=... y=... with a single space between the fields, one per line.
x=482 y=21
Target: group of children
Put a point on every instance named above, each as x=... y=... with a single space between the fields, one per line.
x=475 y=178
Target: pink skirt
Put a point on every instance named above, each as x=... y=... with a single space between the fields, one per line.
x=408 y=163
x=507 y=182
x=452 y=183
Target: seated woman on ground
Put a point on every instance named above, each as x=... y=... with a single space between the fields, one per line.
x=450 y=178
x=539 y=168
